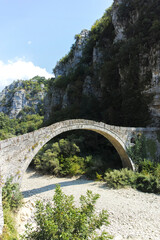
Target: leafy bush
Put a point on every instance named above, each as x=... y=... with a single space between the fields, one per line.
x=120 y=178
x=9 y=230
x=12 y=199
x=147 y=183
x=62 y=220
x=147 y=167
x=11 y=195
x=60 y=158
x=144 y=181
x=11 y=127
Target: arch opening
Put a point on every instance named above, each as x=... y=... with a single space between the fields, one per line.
x=77 y=152
x=113 y=138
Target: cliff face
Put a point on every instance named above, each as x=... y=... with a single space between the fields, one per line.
x=112 y=72
x=23 y=97
x=143 y=15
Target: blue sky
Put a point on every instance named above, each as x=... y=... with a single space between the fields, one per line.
x=35 y=34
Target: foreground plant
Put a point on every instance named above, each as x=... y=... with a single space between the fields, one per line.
x=12 y=200
x=11 y=195
x=63 y=221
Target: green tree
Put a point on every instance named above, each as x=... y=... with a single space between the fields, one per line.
x=60 y=158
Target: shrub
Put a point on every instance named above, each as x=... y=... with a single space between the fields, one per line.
x=72 y=165
x=65 y=221
x=147 y=166
x=144 y=181
x=99 y=177
x=157 y=171
x=12 y=199
x=9 y=230
x=147 y=183
x=120 y=178
x=60 y=158
x=11 y=195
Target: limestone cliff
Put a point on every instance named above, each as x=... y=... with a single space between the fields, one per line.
x=23 y=97
x=112 y=72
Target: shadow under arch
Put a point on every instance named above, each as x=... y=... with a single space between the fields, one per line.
x=56 y=129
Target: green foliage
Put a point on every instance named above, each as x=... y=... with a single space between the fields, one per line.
x=11 y=195
x=151 y=147
x=146 y=180
x=34 y=85
x=29 y=123
x=148 y=183
x=62 y=220
x=61 y=82
x=60 y=158
x=9 y=230
x=7 y=126
x=138 y=152
x=11 y=127
x=103 y=27
x=99 y=177
x=70 y=155
x=148 y=167
x=120 y=178
x=12 y=199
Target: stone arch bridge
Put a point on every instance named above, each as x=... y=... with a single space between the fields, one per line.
x=16 y=153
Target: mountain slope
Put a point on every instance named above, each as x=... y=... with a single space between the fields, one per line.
x=24 y=97
x=112 y=72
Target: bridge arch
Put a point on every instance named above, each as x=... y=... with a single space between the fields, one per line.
x=23 y=148
x=70 y=125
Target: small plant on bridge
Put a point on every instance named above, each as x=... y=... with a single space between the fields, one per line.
x=62 y=220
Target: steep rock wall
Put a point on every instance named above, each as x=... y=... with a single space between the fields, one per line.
x=114 y=67
x=26 y=96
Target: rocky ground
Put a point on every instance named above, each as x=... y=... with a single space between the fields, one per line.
x=132 y=214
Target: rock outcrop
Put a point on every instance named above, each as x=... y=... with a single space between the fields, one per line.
x=26 y=96
x=71 y=60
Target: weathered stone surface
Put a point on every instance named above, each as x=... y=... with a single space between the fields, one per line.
x=153 y=88
x=90 y=89
x=14 y=98
x=119 y=27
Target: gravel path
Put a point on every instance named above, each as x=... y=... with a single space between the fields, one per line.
x=132 y=214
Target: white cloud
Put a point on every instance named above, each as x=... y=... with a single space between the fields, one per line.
x=19 y=69
x=29 y=42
